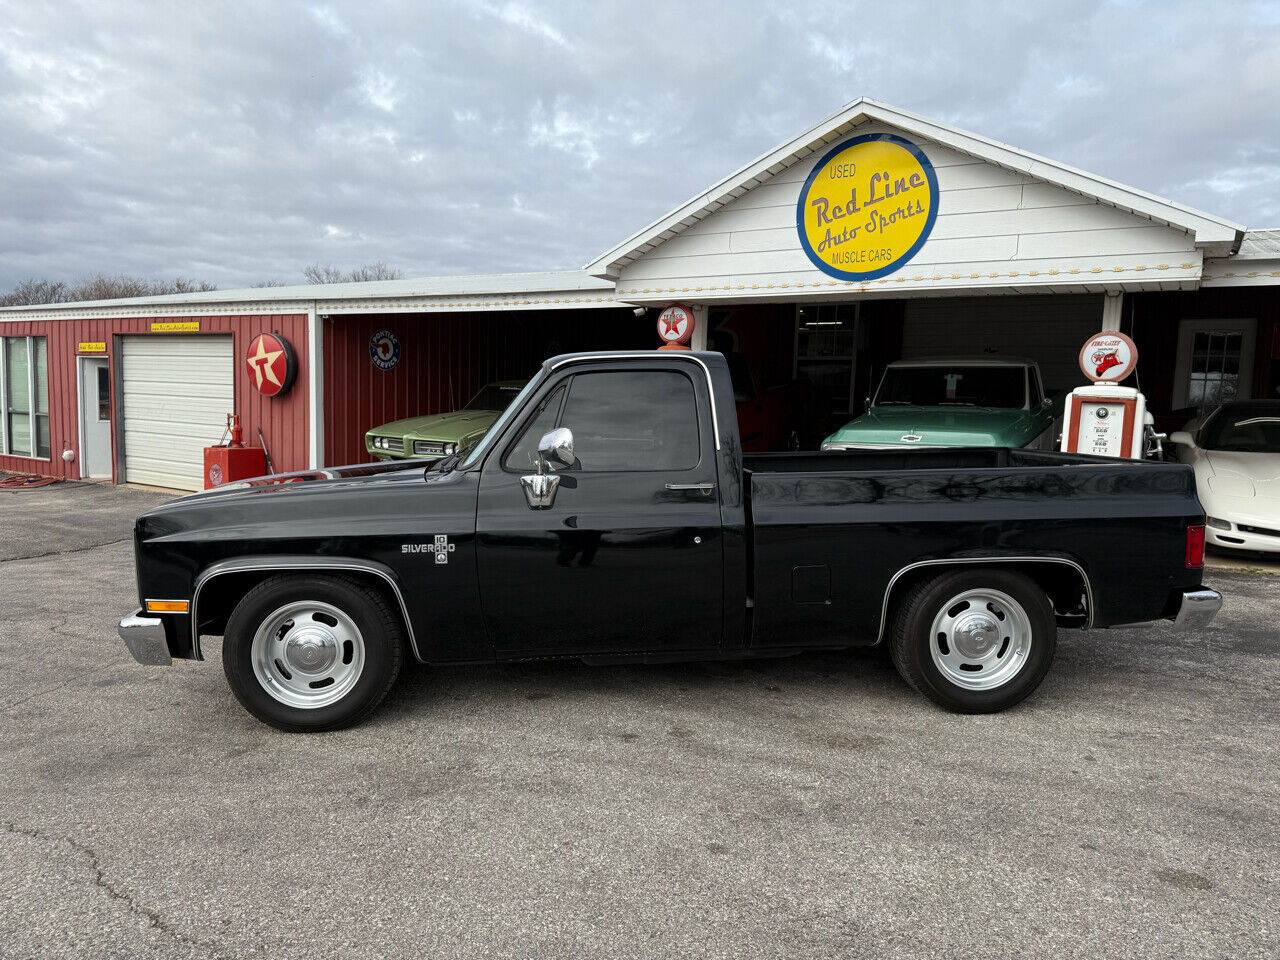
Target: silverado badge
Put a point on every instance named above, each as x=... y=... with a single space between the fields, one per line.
x=911 y=438
x=441 y=547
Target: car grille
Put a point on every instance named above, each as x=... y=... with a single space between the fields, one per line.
x=428 y=448
x=392 y=444
x=1265 y=531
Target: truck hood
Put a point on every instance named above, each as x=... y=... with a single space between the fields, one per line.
x=392 y=471
x=936 y=426
x=455 y=426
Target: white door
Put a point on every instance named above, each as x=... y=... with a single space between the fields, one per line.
x=95 y=417
x=176 y=394
x=1215 y=362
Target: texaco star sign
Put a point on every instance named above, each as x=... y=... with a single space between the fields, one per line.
x=675 y=323
x=272 y=364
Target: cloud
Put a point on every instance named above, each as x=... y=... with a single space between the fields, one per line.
x=457 y=137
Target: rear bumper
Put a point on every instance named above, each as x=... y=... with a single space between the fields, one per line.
x=1197 y=607
x=147 y=639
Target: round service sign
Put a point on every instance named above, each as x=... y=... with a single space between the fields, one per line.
x=675 y=323
x=273 y=366
x=384 y=349
x=1108 y=357
x=867 y=207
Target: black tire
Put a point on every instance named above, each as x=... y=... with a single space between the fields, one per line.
x=381 y=630
x=912 y=644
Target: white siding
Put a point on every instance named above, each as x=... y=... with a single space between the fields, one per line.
x=995 y=229
x=1049 y=329
x=178 y=391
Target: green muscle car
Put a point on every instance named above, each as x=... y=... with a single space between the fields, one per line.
x=441 y=434
x=984 y=402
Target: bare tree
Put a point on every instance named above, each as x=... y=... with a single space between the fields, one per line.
x=328 y=273
x=99 y=286
x=34 y=291
x=269 y=283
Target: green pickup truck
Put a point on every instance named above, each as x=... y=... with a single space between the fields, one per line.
x=442 y=434
x=956 y=402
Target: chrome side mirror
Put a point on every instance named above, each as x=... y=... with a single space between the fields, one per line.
x=554 y=450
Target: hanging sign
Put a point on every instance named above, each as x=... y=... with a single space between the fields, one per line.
x=867 y=207
x=384 y=349
x=1108 y=357
x=675 y=324
x=273 y=366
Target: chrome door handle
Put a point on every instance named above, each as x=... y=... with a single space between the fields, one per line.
x=703 y=488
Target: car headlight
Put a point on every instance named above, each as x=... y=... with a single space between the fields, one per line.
x=1218 y=524
x=450 y=449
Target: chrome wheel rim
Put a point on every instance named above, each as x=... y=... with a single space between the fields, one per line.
x=307 y=654
x=980 y=639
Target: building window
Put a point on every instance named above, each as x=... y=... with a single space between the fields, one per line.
x=24 y=396
x=1215 y=368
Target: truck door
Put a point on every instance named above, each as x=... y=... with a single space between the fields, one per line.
x=627 y=558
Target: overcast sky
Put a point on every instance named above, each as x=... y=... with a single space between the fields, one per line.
x=238 y=143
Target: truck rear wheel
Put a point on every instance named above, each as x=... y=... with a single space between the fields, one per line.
x=312 y=653
x=974 y=641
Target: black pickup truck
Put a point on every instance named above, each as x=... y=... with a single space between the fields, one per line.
x=610 y=515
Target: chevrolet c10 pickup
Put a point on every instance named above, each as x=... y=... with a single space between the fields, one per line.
x=610 y=515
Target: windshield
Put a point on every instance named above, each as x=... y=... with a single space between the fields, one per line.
x=479 y=449
x=941 y=386
x=1244 y=428
x=495 y=396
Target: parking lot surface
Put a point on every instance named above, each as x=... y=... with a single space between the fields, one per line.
x=808 y=807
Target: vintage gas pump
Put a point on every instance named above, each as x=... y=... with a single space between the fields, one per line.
x=234 y=461
x=1104 y=418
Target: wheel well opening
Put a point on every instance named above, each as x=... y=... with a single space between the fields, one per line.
x=1063 y=584
x=219 y=596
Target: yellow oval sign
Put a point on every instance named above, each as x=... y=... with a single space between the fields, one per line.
x=867 y=207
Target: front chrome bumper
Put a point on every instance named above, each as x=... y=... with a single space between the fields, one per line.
x=146 y=639
x=1197 y=608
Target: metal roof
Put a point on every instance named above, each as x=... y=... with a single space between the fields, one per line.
x=1219 y=237
x=1260 y=245
x=505 y=287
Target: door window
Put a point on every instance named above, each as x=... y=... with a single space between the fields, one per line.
x=104 y=394
x=636 y=420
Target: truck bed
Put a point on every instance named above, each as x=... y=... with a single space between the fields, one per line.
x=829 y=532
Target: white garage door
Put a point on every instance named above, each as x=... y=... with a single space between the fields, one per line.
x=1050 y=329
x=178 y=391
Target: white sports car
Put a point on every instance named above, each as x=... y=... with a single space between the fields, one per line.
x=1235 y=451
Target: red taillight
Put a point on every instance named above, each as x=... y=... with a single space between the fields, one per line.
x=1195 y=546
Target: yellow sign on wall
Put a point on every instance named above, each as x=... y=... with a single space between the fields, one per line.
x=867 y=207
x=175 y=326
x=91 y=348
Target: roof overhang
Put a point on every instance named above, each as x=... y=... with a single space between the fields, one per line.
x=1215 y=236
x=517 y=291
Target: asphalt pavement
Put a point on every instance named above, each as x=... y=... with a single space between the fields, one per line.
x=808 y=807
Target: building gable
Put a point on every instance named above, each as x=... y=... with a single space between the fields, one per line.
x=1004 y=221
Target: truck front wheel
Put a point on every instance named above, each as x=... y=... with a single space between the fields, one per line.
x=974 y=641
x=311 y=653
